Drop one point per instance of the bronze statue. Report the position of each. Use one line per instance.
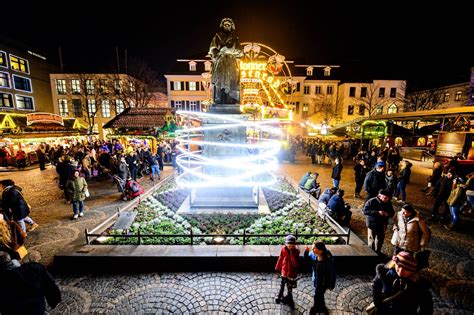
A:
(225, 51)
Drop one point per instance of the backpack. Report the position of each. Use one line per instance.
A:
(134, 188)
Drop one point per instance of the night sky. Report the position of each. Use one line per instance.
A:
(428, 46)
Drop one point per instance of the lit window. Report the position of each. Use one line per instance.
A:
(90, 86)
(119, 107)
(178, 105)
(95, 129)
(177, 85)
(19, 64)
(363, 92)
(3, 59)
(6, 100)
(131, 86)
(306, 89)
(192, 86)
(421, 142)
(207, 65)
(192, 66)
(61, 86)
(393, 109)
(105, 108)
(305, 110)
(91, 108)
(362, 110)
(118, 86)
(327, 71)
(76, 86)
(446, 97)
(22, 84)
(77, 107)
(458, 95)
(329, 90)
(193, 105)
(382, 92)
(379, 110)
(317, 89)
(398, 141)
(103, 86)
(24, 102)
(350, 110)
(352, 91)
(309, 71)
(393, 92)
(4, 80)
(63, 110)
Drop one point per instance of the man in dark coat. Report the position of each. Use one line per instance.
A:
(441, 191)
(338, 209)
(15, 207)
(378, 211)
(336, 172)
(375, 180)
(25, 287)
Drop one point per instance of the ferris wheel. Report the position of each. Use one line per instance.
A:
(265, 77)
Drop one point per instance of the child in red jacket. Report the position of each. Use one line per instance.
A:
(287, 266)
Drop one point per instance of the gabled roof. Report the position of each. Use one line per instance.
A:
(181, 66)
(139, 118)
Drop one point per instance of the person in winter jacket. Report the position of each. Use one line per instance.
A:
(287, 266)
(360, 171)
(327, 194)
(455, 201)
(403, 180)
(77, 187)
(303, 179)
(336, 172)
(410, 233)
(399, 281)
(391, 180)
(15, 207)
(433, 179)
(25, 287)
(323, 274)
(11, 237)
(441, 191)
(378, 211)
(375, 181)
(338, 209)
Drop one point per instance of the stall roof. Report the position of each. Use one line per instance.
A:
(427, 114)
(139, 118)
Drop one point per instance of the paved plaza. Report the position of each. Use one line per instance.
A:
(451, 270)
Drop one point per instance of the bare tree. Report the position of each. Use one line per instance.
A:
(422, 100)
(136, 88)
(324, 105)
(372, 99)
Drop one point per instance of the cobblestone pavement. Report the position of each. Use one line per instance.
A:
(451, 270)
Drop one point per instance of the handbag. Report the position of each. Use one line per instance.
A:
(422, 259)
(22, 251)
(87, 194)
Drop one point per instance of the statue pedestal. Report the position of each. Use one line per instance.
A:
(224, 193)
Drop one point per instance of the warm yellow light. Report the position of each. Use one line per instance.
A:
(290, 116)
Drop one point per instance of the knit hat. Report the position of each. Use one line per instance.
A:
(290, 239)
(408, 207)
(405, 260)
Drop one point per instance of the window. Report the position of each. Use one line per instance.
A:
(4, 80)
(178, 105)
(393, 92)
(76, 86)
(131, 86)
(77, 107)
(458, 95)
(193, 105)
(381, 92)
(6, 100)
(363, 92)
(105, 108)
(90, 86)
(118, 86)
(317, 90)
(177, 85)
(329, 90)
(91, 108)
(192, 86)
(421, 142)
(63, 110)
(362, 109)
(327, 71)
(352, 91)
(192, 66)
(19, 64)
(392, 109)
(61, 86)
(22, 84)
(306, 89)
(24, 102)
(95, 128)
(379, 110)
(119, 107)
(305, 110)
(350, 110)
(446, 97)
(104, 89)
(309, 71)
(3, 59)
(207, 65)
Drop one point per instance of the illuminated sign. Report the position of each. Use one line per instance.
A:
(35, 118)
(258, 70)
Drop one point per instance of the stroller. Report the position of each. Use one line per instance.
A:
(130, 188)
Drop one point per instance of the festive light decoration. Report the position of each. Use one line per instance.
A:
(252, 166)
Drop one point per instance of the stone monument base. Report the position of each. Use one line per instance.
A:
(224, 197)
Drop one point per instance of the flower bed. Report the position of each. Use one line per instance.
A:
(290, 214)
